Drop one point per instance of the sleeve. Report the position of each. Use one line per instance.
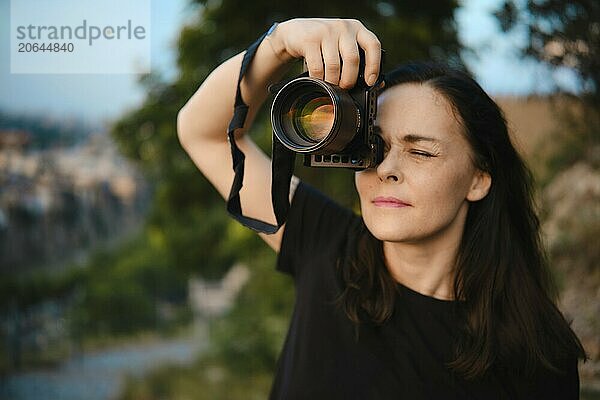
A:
(316, 225)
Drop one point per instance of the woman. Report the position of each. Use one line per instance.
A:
(440, 289)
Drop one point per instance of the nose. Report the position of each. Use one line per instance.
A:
(388, 170)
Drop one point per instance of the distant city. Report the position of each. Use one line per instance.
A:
(62, 195)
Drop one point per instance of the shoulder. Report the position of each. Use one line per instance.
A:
(316, 225)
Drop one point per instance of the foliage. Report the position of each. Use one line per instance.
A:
(116, 294)
(208, 378)
(132, 280)
(188, 220)
(408, 29)
(122, 291)
(244, 344)
(560, 33)
(22, 291)
(580, 142)
(565, 34)
(250, 337)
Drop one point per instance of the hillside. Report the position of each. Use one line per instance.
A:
(570, 208)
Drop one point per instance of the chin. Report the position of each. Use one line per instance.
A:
(388, 232)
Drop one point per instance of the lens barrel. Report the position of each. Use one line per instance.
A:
(312, 116)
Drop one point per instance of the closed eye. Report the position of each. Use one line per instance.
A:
(422, 154)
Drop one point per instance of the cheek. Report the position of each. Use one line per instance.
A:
(364, 182)
(443, 194)
(359, 182)
(436, 194)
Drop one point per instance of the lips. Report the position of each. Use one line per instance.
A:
(391, 202)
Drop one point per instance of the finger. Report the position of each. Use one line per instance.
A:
(314, 60)
(350, 61)
(372, 47)
(331, 58)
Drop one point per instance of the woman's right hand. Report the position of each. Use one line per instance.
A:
(329, 47)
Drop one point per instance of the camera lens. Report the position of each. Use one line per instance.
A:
(309, 116)
(312, 116)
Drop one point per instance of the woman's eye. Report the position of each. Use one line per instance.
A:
(421, 153)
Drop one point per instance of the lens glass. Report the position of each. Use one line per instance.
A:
(313, 116)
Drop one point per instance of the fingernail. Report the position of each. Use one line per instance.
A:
(372, 79)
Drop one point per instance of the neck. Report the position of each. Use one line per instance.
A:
(428, 266)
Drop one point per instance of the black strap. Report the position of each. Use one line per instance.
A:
(282, 164)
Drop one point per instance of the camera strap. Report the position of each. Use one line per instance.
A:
(282, 164)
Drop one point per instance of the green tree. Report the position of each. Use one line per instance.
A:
(188, 215)
(560, 33)
(189, 219)
(565, 34)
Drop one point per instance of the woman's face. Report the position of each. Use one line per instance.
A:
(427, 164)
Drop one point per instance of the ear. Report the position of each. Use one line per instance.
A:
(480, 186)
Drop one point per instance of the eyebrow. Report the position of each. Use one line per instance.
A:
(411, 138)
(417, 138)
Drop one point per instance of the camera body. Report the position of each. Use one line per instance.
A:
(330, 126)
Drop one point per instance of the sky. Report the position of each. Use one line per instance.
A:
(103, 97)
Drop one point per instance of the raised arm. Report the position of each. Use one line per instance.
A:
(330, 48)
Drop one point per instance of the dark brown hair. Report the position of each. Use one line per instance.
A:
(502, 273)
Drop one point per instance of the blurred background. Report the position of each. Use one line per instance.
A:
(121, 274)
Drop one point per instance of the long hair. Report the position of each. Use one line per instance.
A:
(502, 273)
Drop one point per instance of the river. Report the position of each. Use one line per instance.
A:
(99, 375)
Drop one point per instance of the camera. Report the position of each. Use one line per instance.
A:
(330, 126)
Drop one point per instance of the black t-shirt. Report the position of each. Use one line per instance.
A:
(401, 359)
